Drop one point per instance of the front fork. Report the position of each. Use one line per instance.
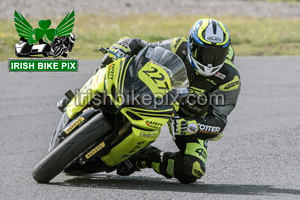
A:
(64, 129)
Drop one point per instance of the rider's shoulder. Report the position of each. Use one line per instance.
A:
(229, 69)
(229, 75)
(178, 43)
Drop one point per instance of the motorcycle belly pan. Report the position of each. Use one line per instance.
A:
(134, 142)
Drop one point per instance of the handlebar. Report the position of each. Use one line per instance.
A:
(106, 50)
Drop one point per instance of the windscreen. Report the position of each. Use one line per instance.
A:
(157, 77)
(173, 65)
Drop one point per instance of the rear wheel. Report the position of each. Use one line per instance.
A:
(71, 148)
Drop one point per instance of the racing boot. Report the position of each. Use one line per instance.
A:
(142, 159)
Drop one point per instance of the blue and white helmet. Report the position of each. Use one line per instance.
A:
(208, 44)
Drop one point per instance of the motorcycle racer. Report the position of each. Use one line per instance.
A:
(209, 59)
(61, 45)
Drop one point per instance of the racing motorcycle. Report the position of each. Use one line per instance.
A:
(61, 45)
(119, 111)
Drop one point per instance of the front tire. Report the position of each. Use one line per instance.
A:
(71, 148)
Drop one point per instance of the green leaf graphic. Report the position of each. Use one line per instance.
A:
(45, 24)
(50, 33)
(39, 33)
(25, 30)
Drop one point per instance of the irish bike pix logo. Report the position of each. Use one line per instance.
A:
(44, 48)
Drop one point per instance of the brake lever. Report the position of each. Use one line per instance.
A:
(106, 50)
(103, 50)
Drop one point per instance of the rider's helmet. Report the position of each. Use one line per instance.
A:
(72, 37)
(208, 44)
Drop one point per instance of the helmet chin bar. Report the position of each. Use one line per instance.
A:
(207, 70)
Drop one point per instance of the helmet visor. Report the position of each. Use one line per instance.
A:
(210, 56)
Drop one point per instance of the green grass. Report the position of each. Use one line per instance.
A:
(250, 36)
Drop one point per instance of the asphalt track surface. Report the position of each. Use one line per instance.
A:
(258, 157)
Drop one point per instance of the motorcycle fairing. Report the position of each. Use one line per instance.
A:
(147, 119)
(135, 141)
(93, 86)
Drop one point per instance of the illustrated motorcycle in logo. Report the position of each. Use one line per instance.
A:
(61, 39)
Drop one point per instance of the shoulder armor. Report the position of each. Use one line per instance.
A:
(234, 84)
(176, 43)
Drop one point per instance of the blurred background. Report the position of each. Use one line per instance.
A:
(258, 157)
(258, 28)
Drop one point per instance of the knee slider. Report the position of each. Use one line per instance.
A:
(188, 169)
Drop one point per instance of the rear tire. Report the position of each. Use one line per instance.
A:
(71, 148)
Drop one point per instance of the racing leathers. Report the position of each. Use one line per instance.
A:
(211, 99)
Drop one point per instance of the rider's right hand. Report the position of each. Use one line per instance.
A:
(126, 46)
(120, 49)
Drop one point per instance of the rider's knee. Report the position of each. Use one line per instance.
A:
(188, 169)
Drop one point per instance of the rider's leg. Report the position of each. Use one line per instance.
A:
(187, 165)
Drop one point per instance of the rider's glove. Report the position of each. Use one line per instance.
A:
(120, 49)
(180, 126)
(126, 46)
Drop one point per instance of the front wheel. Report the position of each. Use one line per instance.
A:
(71, 148)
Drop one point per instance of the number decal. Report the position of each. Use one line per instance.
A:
(201, 152)
(156, 78)
(151, 72)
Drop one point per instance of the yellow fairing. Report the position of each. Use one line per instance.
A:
(137, 140)
(146, 124)
(156, 78)
(147, 119)
(115, 80)
(94, 85)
